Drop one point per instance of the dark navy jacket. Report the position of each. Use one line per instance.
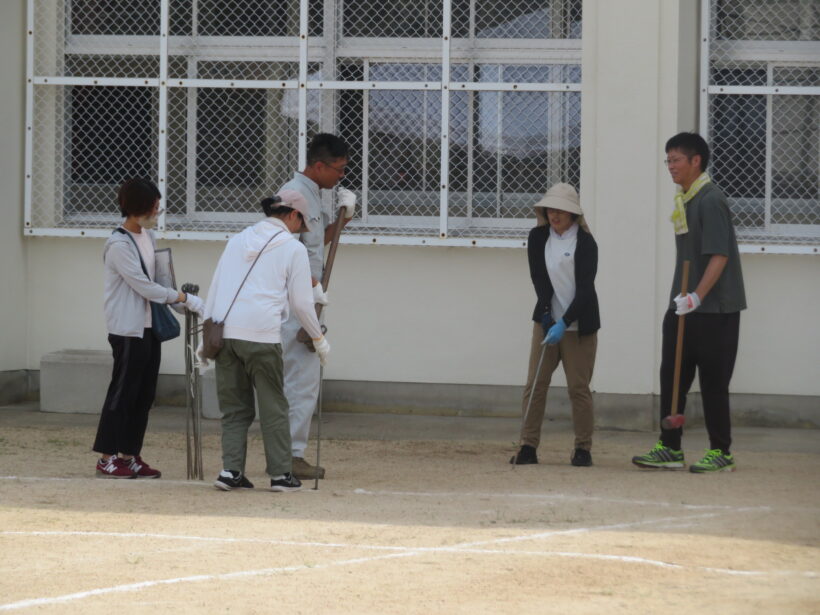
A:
(584, 308)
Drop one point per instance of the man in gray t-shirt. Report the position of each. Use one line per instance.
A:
(327, 158)
(710, 233)
(712, 303)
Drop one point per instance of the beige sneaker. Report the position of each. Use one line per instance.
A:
(304, 471)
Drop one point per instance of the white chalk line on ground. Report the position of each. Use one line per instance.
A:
(466, 547)
(559, 496)
(129, 484)
(143, 482)
(22, 604)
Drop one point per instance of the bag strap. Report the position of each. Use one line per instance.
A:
(247, 274)
(119, 229)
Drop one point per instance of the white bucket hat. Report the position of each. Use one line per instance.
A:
(563, 197)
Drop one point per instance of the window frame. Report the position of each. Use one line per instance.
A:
(444, 52)
(773, 237)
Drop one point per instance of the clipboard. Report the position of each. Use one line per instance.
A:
(164, 268)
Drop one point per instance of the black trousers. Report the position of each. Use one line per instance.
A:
(710, 345)
(124, 416)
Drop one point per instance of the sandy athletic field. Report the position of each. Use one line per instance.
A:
(407, 526)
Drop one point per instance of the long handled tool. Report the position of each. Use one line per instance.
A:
(319, 428)
(193, 396)
(675, 420)
(302, 335)
(529, 401)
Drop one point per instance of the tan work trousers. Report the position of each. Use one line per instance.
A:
(578, 356)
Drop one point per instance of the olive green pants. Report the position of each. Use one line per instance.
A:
(577, 354)
(241, 367)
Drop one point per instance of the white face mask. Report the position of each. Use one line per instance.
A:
(150, 221)
(147, 222)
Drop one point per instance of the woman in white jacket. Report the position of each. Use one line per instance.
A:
(276, 273)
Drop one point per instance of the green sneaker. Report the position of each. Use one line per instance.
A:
(660, 457)
(714, 461)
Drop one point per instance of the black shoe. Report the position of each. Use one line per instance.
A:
(228, 479)
(526, 455)
(288, 483)
(581, 458)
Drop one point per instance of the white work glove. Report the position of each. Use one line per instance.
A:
(686, 304)
(347, 200)
(322, 349)
(319, 294)
(202, 362)
(195, 304)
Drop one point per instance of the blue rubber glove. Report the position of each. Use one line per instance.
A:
(546, 322)
(556, 332)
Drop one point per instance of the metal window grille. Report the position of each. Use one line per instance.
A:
(761, 95)
(459, 113)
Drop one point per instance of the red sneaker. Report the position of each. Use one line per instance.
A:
(114, 467)
(142, 469)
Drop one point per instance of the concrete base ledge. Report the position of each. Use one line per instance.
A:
(612, 410)
(77, 381)
(15, 386)
(634, 412)
(74, 380)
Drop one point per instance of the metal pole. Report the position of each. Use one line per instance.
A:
(193, 397)
(319, 427)
(529, 401)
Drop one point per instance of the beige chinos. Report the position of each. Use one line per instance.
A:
(577, 354)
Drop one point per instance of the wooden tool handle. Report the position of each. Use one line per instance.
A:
(331, 254)
(302, 335)
(679, 344)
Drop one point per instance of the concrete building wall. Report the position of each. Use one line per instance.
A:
(461, 315)
(13, 320)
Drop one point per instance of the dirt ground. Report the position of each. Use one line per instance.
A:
(439, 525)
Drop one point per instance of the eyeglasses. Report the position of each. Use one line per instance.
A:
(668, 161)
(337, 169)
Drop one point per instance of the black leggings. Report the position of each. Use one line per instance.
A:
(710, 345)
(124, 416)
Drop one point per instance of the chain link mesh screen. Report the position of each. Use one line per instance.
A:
(229, 119)
(223, 160)
(92, 38)
(766, 145)
(85, 141)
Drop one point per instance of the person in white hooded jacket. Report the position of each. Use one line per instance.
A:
(276, 272)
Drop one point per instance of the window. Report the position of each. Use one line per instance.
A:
(457, 122)
(762, 116)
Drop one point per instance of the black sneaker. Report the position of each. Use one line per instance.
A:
(228, 480)
(581, 458)
(287, 483)
(526, 455)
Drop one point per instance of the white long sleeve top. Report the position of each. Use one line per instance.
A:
(279, 282)
(559, 254)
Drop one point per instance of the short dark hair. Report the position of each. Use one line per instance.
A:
(272, 207)
(691, 144)
(324, 147)
(137, 196)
